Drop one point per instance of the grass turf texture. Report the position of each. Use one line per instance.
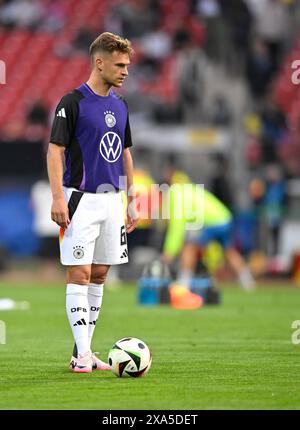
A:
(238, 355)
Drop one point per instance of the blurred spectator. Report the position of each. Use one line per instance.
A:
(273, 26)
(253, 153)
(156, 44)
(21, 13)
(153, 48)
(3, 2)
(210, 13)
(220, 185)
(257, 190)
(269, 199)
(134, 18)
(54, 16)
(221, 112)
(37, 118)
(256, 194)
(44, 227)
(38, 113)
(253, 150)
(273, 203)
(181, 38)
(142, 241)
(239, 21)
(259, 70)
(192, 64)
(83, 39)
(146, 205)
(256, 7)
(289, 154)
(273, 128)
(208, 8)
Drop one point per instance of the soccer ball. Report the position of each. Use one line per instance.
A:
(130, 357)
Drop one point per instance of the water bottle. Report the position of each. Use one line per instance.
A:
(154, 284)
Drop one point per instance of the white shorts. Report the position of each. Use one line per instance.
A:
(97, 232)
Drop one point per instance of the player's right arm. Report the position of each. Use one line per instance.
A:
(61, 135)
(59, 208)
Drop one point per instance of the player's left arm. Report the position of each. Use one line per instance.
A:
(132, 213)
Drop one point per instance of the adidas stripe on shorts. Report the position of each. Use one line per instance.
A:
(97, 232)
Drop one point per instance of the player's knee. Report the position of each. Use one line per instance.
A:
(78, 275)
(98, 275)
(98, 279)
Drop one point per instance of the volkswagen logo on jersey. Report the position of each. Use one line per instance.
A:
(110, 147)
(110, 119)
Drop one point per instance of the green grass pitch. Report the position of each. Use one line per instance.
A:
(238, 355)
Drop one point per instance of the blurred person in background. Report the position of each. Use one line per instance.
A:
(141, 240)
(192, 69)
(220, 185)
(82, 40)
(238, 19)
(268, 194)
(143, 181)
(274, 128)
(210, 13)
(45, 229)
(21, 13)
(38, 113)
(221, 113)
(273, 26)
(274, 205)
(134, 18)
(259, 70)
(36, 125)
(199, 219)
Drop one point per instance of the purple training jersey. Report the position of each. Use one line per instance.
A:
(94, 130)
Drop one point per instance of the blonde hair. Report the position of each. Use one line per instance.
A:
(109, 42)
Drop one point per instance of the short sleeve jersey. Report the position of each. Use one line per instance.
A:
(94, 130)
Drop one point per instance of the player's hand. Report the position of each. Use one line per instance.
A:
(132, 217)
(60, 213)
(131, 224)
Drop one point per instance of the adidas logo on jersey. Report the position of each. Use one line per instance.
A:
(125, 254)
(62, 113)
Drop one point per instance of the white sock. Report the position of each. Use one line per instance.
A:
(77, 310)
(184, 277)
(246, 279)
(95, 295)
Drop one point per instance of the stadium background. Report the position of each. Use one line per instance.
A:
(211, 91)
(210, 85)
